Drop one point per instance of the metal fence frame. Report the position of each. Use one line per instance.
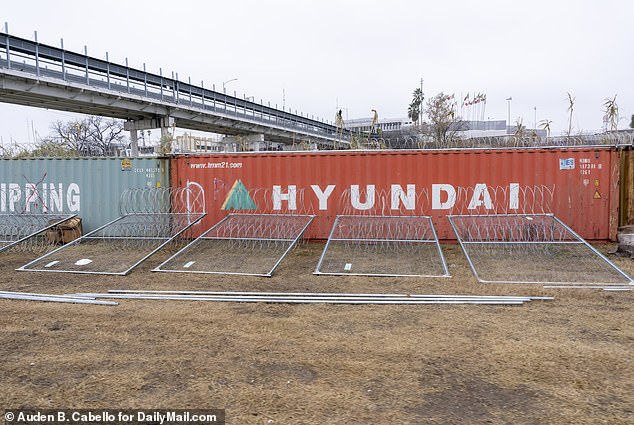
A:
(197, 218)
(580, 241)
(293, 242)
(435, 241)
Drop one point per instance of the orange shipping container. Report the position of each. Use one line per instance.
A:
(579, 185)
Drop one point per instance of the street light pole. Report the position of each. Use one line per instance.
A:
(509, 121)
(420, 110)
(225, 83)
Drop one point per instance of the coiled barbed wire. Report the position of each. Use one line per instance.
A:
(368, 201)
(162, 200)
(530, 248)
(518, 199)
(14, 227)
(402, 140)
(383, 245)
(244, 243)
(150, 216)
(259, 230)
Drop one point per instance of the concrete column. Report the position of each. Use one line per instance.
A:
(134, 143)
(164, 123)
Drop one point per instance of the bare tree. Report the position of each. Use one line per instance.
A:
(50, 148)
(105, 135)
(611, 113)
(441, 110)
(375, 120)
(520, 128)
(340, 126)
(571, 105)
(71, 135)
(90, 136)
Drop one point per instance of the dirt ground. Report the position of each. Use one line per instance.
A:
(566, 361)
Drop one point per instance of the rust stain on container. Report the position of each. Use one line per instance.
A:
(435, 183)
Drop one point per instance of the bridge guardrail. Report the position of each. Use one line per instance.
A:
(56, 62)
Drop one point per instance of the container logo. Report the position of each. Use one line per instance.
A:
(238, 198)
(566, 163)
(443, 197)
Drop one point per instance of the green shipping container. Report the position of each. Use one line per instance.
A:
(88, 187)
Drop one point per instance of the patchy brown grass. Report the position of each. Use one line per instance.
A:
(565, 361)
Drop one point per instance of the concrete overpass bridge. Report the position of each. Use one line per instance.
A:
(44, 76)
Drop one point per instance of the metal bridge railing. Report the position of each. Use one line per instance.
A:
(54, 62)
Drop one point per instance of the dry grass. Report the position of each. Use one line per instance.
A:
(565, 361)
(228, 256)
(106, 255)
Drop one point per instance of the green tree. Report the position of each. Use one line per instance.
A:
(414, 109)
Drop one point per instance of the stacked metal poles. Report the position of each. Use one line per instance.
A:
(311, 298)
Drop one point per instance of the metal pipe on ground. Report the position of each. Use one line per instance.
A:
(204, 297)
(318, 294)
(57, 299)
(604, 287)
(330, 301)
(41, 295)
(322, 296)
(314, 300)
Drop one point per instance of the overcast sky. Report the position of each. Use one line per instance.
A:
(315, 56)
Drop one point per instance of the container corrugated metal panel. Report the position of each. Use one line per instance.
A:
(89, 187)
(626, 209)
(585, 180)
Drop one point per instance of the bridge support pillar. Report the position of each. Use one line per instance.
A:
(164, 123)
(134, 143)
